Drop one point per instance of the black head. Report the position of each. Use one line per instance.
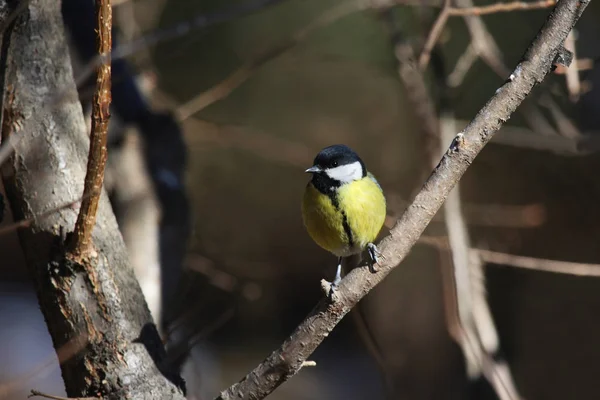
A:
(336, 165)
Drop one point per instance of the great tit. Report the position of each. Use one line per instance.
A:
(344, 207)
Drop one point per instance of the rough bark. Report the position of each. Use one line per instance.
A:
(98, 303)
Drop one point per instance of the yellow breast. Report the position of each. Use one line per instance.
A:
(347, 227)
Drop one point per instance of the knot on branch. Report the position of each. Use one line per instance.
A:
(564, 57)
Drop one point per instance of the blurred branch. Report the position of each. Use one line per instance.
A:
(81, 244)
(502, 7)
(572, 74)
(434, 34)
(564, 124)
(63, 354)
(295, 154)
(26, 223)
(493, 215)
(178, 30)
(532, 263)
(537, 61)
(463, 65)
(540, 264)
(249, 290)
(468, 316)
(474, 315)
(515, 136)
(480, 38)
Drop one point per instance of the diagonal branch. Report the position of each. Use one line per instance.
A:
(537, 61)
(98, 154)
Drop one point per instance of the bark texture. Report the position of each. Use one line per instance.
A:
(82, 245)
(97, 303)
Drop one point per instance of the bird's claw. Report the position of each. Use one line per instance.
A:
(336, 282)
(373, 255)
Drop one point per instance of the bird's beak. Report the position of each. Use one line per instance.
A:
(313, 169)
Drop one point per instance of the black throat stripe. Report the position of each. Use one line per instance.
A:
(336, 203)
(347, 229)
(328, 187)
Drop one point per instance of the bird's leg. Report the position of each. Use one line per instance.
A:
(373, 255)
(337, 279)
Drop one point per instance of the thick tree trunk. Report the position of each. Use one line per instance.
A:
(97, 304)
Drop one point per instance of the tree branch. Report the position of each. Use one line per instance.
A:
(94, 178)
(99, 301)
(537, 61)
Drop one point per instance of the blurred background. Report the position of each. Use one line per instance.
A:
(206, 181)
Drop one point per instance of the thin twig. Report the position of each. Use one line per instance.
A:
(502, 7)
(36, 393)
(566, 127)
(531, 263)
(537, 61)
(25, 223)
(463, 65)
(63, 354)
(540, 264)
(94, 177)
(249, 290)
(434, 34)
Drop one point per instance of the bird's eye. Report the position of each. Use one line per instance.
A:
(335, 163)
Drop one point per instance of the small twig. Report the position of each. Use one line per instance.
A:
(82, 234)
(434, 34)
(502, 7)
(566, 127)
(249, 290)
(309, 364)
(463, 65)
(27, 222)
(526, 138)
(63, 354)
(36, 393)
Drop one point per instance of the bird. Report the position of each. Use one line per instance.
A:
(344, 207)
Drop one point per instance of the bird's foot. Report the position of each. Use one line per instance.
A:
(373, 255)
(336, 281)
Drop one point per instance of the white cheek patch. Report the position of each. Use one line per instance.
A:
(346, 173)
